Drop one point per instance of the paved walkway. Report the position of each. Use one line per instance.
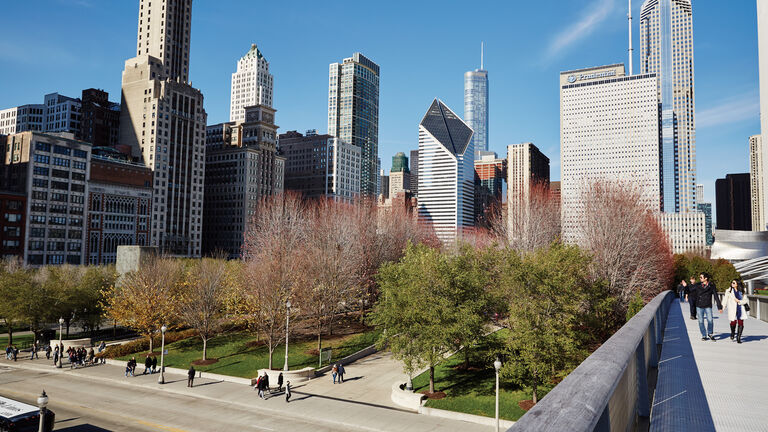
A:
(706, 385)
(343, 405)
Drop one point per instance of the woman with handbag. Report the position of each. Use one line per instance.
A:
(735, 300)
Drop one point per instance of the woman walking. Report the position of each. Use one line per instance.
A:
(734, 300)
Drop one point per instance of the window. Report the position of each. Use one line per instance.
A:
(12, 231)
(61, 150)
(60, 173)
(78, 165)
(61, 162)
(78, 176)
(12, 217)
(40, 183)
(82, 154)
(35, 259)
(42, 159)
(43, 147)
(41, 171)
(59, 185)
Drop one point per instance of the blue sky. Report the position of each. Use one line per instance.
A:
(423, 48)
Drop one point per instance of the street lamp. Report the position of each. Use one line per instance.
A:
(287, 317)
(42, 402)
(161, 379)
(61, 344)
(497, 366)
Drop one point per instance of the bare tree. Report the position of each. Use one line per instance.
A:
(202, 303)
(631, 252)
(530, 221)
(271, 252)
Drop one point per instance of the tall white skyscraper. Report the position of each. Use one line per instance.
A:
(163, 120)
(353, 113)
(252, 84)
(762, 37)
(446, 172)
(757, 182)
(666, 49)
(476, 106)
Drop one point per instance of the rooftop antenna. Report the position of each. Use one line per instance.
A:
(629, 15)
(481, 55)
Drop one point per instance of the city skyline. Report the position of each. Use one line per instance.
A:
(726, 109)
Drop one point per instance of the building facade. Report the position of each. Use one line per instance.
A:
(52, 171)
(476, 107)
(666, 50)
(22, 119)
(13, 207)
(706, 208)
(119, 207)
(252, 84)
(446, 173)
(490, 175)
(415, 172)
(162, 120)
(399, 175)
(686, 232)
(732, 201)
(383, 184)
(99, 119)
(353, 113)
(762, 36)
(62, 114)
(757, 182)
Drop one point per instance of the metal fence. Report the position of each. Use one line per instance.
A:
(758, 307)
(613, 388)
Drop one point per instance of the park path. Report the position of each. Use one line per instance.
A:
(344, 405)
(706, 385)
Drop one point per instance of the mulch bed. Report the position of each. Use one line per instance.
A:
(525, 404)
(206, 362)
(435, 395)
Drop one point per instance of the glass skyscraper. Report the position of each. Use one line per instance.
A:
(476, 107)
(353, 113)
(666, 49)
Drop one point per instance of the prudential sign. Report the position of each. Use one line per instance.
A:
(581, 77)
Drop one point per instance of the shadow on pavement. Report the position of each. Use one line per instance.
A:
(311, 395)
(679, 403)
(83, 428)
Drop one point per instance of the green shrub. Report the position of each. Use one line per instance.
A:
(635, 305)
(142, 344)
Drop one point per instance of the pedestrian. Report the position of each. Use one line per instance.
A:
(691, 296)
(91, 355)
(257, 387)
(127, 369)
(266, 381)
(334, 373)
(280, 382)
(681, 288)
(341, 373)
(147, 365)
(48, 352)
(705, 292)
(56, 354)
(132, 366)
(734, 300)
(102, 347)
(261, 386)
(287, 391)
(154, 364)
(8, 352)
(34, 351)
(15, 353)
(191, 376)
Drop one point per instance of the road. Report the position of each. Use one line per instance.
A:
(82, 405)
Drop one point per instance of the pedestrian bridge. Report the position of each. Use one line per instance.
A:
(657, 374)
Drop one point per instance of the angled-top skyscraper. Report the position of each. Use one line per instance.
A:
(666, 49)
(163, 120)
(252, 84)
(446, 172)
(353, 112)
(476, 106)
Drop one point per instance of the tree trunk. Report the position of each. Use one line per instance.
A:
(535, 395)
(271, 350)
(466, 357)
(319, 351)
(66, 322)
(10, 333)
(431, 379)
(150, 342)
(205, 348)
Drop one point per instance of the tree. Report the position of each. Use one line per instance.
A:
(202, 302)
(531, 220)
(273, 243)
(146, 299)
(546, 294)
(13, 278)
(631, 252)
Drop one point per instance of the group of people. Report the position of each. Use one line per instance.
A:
(700, 296)
(11, 352)
(337, 372)
(262, 385)
(80, 356)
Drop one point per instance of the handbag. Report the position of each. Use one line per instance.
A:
(746, 307)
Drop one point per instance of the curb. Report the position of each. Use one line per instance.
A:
(471, 418)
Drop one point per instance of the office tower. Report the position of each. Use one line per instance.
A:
(490, 174)
(476, 105)
(241, 167)
(554, 188)
(757, 182)
(251, 84)
(666, 49)
(706, 208)
(762, 37)
(446, 173)
(415, 172)
(732, 202)
(119, 205)
(99, 119)
(399, 175)
(13, 225)
(383, 184)
(353, 113)
(62, 114)
(526, 165)
(163, 121)
(320, 165)
(52, 171)
(22, 119)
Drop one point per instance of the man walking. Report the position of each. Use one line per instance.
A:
(287, 391)
(681, 289)
(147, 365)
(692, 291)
(191, 376)
(706, 291)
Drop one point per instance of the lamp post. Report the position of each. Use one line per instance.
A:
(287, 318)
(61, 344)
(42, 402)
(161, 378)
(497, 366)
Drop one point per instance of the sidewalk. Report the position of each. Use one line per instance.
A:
(311, 402)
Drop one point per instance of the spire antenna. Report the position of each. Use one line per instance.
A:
(481, 55)
(629, 15)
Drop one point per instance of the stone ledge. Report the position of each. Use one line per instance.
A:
(406, 398)
(453, 415)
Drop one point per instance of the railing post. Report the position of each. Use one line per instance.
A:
(604, 423)
(643, 402)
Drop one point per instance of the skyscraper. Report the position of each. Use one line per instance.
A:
(399, 175)
(353, 112)
(757, 182)
(762, 38)
(163, 121)
(446, 172)
(252, 84)
(415, 172)
(489, 182)
(476, 106)
(732, 202)
(666, 49)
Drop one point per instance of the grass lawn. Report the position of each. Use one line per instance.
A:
(17, 340)
(238, 357)
(473, 391)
